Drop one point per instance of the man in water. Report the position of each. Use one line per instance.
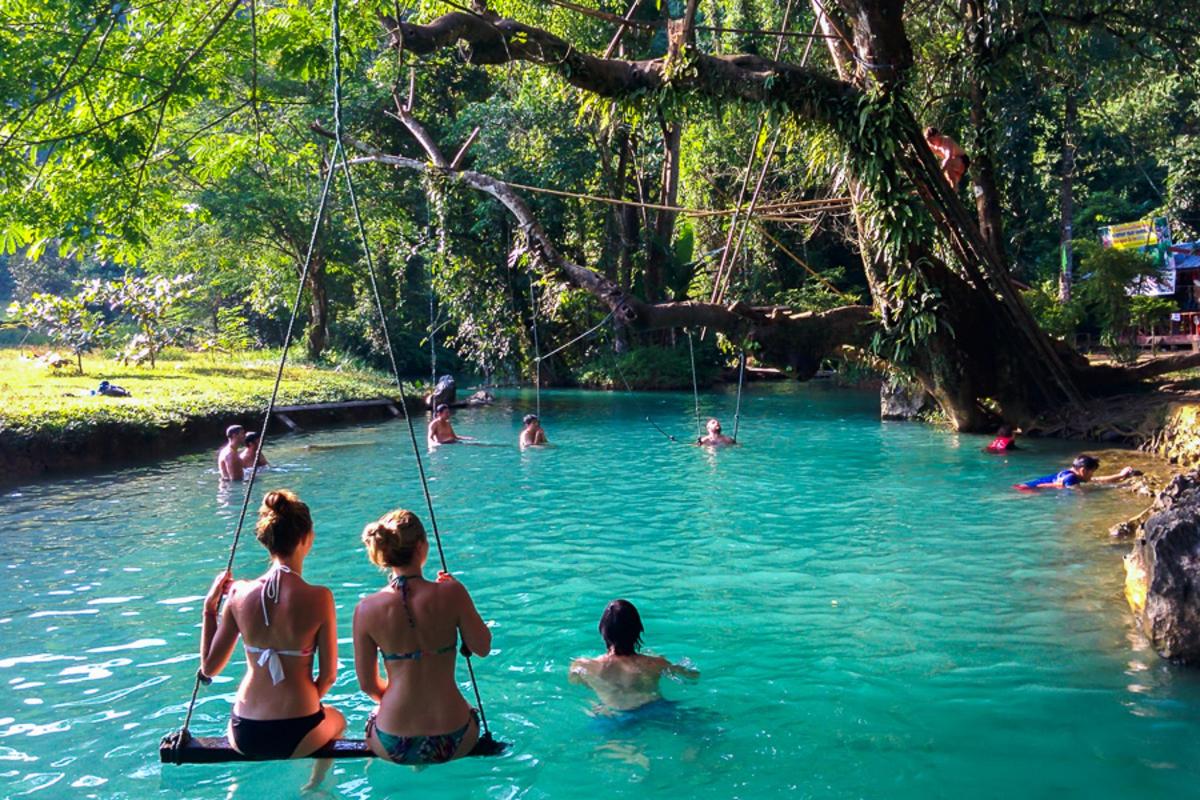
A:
(532, 433)
(623, 678)
(252, 456)
(440, 430)
(1082, 470)
(229, 460)
(714, 438)
(951, 158)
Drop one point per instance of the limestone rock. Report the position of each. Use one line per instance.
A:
(444, 392)
(1162, 572)
(899, 399)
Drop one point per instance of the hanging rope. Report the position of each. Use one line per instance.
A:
(370, 261)
(737, 410)
(695, 385)
(583, 335)
(537, 355)
(262, 435)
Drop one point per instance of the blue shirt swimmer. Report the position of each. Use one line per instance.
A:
(1082, 470)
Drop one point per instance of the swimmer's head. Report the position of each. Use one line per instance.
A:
(252, 439)
(530, 419)
(284, 523)
(1005, 432)
(714, 426)
(442, 408)
(1086, 465)
(397, 539)
(235, 433)
(621, 627)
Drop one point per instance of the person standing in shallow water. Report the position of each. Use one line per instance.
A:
(229, 459)
(714, 437)
(440, 429)
(252, 456)
(532, 433)
(283, 621)
(624, 679)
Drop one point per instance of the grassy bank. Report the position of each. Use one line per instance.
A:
(45, 402)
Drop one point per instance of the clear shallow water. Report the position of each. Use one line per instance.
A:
(874, 612)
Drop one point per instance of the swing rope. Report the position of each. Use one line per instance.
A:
(537, 355)
(370, 261)
(695, 385)
(322, 203)
(583, 335)
(737, 410)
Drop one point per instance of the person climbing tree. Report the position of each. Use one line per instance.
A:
(951, 158)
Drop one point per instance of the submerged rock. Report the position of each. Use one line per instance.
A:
(1162, 572)
(899, 399)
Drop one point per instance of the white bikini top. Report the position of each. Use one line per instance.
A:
(269, 656)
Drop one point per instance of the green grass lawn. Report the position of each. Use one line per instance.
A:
(38, 401)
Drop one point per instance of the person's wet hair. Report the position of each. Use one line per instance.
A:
(621, 628)
(251, 437)
(283, 522)
(1005, 431)
(530, 418)
(233, 430)
(440, 408)
(392, 540)
(1086, 462)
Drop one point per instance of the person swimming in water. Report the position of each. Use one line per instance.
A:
(440, 429)
(252, 457)
(229, 460)
(532, 433)
(714, 437)
(1082, 470)
(1006, 440)
(623, 678)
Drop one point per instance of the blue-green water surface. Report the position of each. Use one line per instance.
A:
(874, 612)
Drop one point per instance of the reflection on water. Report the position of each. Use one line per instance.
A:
(873, 611)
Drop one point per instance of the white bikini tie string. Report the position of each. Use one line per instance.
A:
(271, 590)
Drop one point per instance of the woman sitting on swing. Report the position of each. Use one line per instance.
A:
(414, 623)
(283, 621)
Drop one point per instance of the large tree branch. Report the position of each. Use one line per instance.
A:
(797, 339)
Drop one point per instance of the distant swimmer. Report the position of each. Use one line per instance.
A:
(714, 437)
(1082, 470)
(623, 678)
(440, 429)
(533, 433)
(229, 460)
(1005, 441)
(951, 158)
(252, 456)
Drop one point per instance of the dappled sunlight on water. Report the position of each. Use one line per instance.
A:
(874, 612)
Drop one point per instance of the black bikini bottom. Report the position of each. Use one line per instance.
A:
(272, 738)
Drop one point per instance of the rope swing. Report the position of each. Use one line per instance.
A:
(181, 747)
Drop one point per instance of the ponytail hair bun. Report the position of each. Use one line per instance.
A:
(392, 540)
(283, 522)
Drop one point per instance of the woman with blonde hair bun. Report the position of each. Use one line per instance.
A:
(283, 622)
(414, 624)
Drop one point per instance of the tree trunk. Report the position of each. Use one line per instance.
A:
(983, 170)
(1066, 195)
(318, 326)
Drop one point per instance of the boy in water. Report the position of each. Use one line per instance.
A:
(714, 438)
(252, 456)
(229, 460)
(1006, 440)
(440, 430)
(1082, 470)
(532, 433)
(623, 678)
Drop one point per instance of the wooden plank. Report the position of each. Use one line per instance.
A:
(383, 401)
(287, 420)
(217, 750)
(395, 411)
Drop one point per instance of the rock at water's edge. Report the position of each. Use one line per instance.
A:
(1162, 572)
(899, 399)
(444, 392)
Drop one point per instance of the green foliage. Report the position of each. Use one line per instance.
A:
(153, 304)
(1108, 274)
(818, 292)
(74, 322)
(1058, 319)
(650, 367)
(1147, 312)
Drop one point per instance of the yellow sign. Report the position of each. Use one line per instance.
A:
(1130, 235)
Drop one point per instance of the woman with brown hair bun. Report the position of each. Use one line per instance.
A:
(283, 621)
(414, 624)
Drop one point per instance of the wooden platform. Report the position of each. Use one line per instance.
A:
(217, 750)
(282, 411)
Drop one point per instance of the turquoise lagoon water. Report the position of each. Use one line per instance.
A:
(874, 612)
